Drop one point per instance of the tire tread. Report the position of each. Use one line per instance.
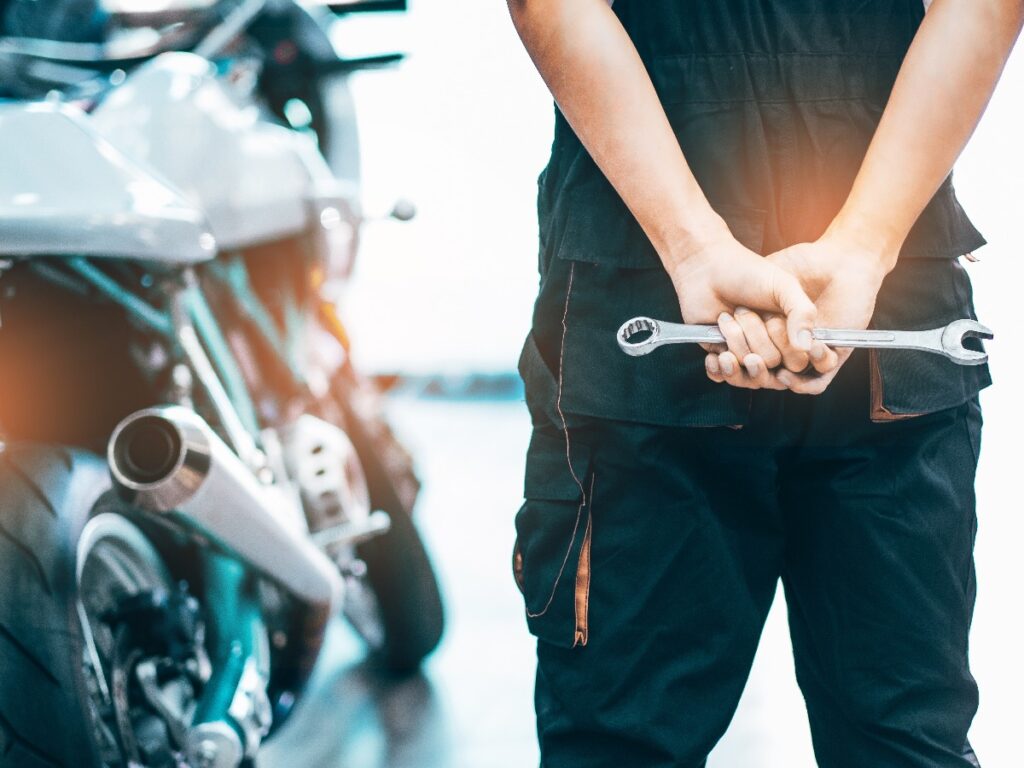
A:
(12, 640)
(31, 484)
(46, 494)
(13, 740)
(30, 556)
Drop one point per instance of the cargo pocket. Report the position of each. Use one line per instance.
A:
(551, 559)
(916, 295)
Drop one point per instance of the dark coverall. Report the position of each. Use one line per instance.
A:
(661, 508)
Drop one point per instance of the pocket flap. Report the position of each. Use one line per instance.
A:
(600, 229)
(548, 476)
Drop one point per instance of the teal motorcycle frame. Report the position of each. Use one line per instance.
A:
(265, 602)
(211, 354)
(235, 615)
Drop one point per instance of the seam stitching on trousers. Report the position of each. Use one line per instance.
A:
(561, 376)
(568, 452)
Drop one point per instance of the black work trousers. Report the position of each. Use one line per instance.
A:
(649, 557)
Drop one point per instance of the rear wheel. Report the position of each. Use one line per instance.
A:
(46, 497)
(60, 537)
(396, 605)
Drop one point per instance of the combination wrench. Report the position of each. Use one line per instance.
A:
(643, 335)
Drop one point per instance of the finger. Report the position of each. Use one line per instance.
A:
(737, 375)
(757, 337)
(824, 358)
(732, 372)
(713, 369)
(727, 364)
(734, 337)
(797, 307)
(806, 385)
(794, 359)
(759, 374)
(716, 348)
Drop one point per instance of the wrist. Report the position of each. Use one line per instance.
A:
(693, 237)
(875, 240)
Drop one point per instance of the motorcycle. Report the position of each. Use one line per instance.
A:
(194, 478)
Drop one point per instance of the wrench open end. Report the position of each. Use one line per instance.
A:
(953, 342)
(639, 336)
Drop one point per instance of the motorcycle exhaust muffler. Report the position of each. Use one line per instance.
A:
(167, 460)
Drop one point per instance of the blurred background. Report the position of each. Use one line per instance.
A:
(462, 128)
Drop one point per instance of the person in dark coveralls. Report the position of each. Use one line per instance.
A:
(769, 166)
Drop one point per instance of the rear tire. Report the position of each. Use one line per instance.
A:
(402, 578)
(398, 569)
(47, 495)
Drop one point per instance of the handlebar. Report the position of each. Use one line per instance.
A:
(208, 32)
(367, 6)
(99, 57)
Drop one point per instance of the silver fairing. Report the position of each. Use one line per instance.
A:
(255, 180)
(65, 191)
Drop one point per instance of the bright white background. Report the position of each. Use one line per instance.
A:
(463, 129)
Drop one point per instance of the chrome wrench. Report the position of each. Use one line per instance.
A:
(643, 335)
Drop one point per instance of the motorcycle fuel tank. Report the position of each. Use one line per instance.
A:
(248, 175)
(65, 191)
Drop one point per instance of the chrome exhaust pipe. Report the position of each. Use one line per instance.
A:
(168, 461)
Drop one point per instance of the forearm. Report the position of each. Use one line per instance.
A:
(601, 86)
(942, 90)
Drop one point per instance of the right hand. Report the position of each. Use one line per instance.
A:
(721, 276)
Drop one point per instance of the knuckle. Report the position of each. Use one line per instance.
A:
(796, 362)
(753, 325)
(777, 332)
(738, 345)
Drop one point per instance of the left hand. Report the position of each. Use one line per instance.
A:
(842, 276)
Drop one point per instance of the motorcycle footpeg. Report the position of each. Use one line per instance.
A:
(355, 532)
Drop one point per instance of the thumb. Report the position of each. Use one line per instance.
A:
(799, 310)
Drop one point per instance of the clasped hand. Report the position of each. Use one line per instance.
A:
(766, 308)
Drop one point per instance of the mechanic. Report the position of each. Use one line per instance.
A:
(770, 167)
